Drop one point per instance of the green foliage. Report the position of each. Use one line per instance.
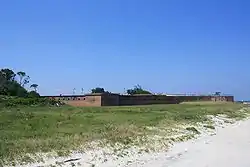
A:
(6, 101)
(137, 90)
(34, 86)
(98, 90)
(217, 93)
(23, 78)
(14, 89)
(33, 94)
(8, 74)
(10, 87)
(13, 93)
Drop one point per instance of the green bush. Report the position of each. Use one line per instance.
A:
(6, 101)
(33, 94)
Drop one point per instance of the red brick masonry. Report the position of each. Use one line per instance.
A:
(109, 99)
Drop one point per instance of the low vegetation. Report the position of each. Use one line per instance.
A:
(137, 90)
(43, 129)
(10, 101)
(209, 126)
(193, 129)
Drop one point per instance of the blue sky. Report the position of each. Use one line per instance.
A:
(172, 46)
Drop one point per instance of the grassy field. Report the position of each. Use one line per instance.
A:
(43, 129)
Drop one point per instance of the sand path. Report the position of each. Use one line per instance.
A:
(230, 147)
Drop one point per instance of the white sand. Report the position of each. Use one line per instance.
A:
(230, 147)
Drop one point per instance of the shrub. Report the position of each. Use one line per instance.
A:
(6, 101)
(33, 94)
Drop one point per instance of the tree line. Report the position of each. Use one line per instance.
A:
(13, 84)
(133, 91)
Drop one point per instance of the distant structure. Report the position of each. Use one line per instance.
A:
(111, 99)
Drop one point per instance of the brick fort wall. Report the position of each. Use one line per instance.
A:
(109, 99)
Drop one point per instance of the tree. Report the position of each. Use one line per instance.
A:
(9, 86)
(98, 90)
(3, 83)
(34, 86)
(21, 75)
(15, 89)
(7, 74)
(23, 78)
(137, 90)
(217, 93)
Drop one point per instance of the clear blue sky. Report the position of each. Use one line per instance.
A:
(173, 46)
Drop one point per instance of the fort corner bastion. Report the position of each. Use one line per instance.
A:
(112, 99)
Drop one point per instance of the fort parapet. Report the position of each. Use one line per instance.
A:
(111, 99)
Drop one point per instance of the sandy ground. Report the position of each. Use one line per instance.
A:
(230, 147)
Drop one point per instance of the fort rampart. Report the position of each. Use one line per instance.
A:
(109, 99)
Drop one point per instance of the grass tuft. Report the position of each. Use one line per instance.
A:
(193, 129)
(209, 126)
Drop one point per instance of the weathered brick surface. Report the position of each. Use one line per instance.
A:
(116, 99)
(85, 101)
(147, 99)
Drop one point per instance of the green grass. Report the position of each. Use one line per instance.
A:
(43, 129)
